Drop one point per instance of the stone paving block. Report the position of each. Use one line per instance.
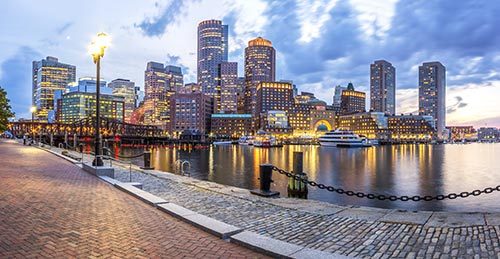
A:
(145, 196)
(455, 219)
(364, 213)
(175, 210)
(265, 244)
(99, 170)
(136, 185)
(492, 219)
(109, 180)
(308, 253)
(407, 217)
(310, 206)
(211, 225)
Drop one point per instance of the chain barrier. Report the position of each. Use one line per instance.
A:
(382, 197)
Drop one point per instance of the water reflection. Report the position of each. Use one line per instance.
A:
(400, 170)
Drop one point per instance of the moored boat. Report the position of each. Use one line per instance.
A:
(343, 138)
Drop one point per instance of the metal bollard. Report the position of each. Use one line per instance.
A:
(81, 147)
(266, 172)
(296, 188)
(147, 161)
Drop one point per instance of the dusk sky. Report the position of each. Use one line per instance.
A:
(319, 44)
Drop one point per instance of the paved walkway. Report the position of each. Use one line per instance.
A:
(51, 208)
(352, 231)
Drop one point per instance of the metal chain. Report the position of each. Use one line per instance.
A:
(382, 197)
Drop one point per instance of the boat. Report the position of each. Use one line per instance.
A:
(246, 140)
(343, 138)
(222, 142)
(266, 141)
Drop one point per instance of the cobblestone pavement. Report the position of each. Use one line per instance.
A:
(362, 237)
(51, 208)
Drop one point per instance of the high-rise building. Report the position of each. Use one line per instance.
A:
(272, 96)
(352, 101)
(432, 93)
(260, 59)
(337, 97)
(77, 105)
(229, 87)
(49, 75)
(160, 82)
(212, 50)
(383, 87)
(126, 89)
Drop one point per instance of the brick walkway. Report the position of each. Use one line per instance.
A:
(51, 208)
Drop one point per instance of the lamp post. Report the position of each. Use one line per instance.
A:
(97, 47)
(32, 110)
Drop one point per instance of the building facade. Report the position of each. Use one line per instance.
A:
(383, 87)
(272, 96)
(372, 125)
(225, 125)
(432, 93)
(126, 89)
(76, 105)
(460, 133)
(260, 63)
(411, 128)
(212, 50)
(191, 113)
(49, 75)
(230, 89)
(352, 101)
(488, 134)
(337, 97)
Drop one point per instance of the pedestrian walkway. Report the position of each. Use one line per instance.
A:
(51, 208)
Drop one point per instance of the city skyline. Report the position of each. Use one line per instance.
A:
(472, 82)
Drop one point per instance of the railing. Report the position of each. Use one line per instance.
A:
(179, 165)
(266, 171)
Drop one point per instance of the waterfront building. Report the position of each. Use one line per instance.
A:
(231, 125)
(409, 128)
(212, 50)
(275, 122)
(78, 105)
(241, 95)
(382, 87)
(432, 93)
(260, 62)
(126, 89)
(276, 96)
(459, 133)
(488, 134)
(372, 125)
(174, 78)
(352, 101)
(230, 90)
(191, 113)
(49, 75)
(337, 97)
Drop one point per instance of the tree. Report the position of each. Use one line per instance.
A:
(5, 110)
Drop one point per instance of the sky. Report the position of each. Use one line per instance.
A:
(319, 44)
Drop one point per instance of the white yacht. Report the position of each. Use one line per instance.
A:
(246, 140)
(343, 138)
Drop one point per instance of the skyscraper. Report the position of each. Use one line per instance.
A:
(432, 93)
(352, 101)
(49, 75)
(383, 87)
(212, 50)
(174, 78)
(126, 89)
(337, 97)
(260, 59)
(229, 87)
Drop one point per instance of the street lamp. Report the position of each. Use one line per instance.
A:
(32, 110)
(96, 49)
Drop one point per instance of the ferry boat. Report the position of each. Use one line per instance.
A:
(246, 140)
(266, 141)
(343, 138)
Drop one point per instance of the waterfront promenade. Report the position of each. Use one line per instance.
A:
(51, 208)
(359, 232)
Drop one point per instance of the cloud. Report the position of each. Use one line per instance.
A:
(64, 28)
(156, 26)
(16, 79)
(457, 105)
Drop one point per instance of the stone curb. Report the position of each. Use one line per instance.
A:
(138, 193)
(278, 248)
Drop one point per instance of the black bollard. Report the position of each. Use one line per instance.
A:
(296, 188)
(266, 172)
(147, 161)
(81, 147)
